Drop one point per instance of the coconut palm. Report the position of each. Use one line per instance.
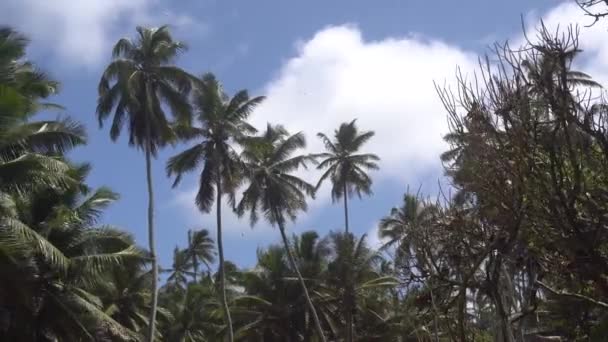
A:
(180, 270)
(139, 84)
(353, 273)
(125, 294)
(54, 256)
(271, 310)
(29, 150)
(195, 311)
(200, 250)
(274, 308)
(222, 121)
(22, 85)
(274, 191)
(346, 168)
(394, 227)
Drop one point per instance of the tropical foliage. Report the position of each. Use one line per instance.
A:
(514, 250)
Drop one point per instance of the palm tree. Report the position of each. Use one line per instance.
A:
(273, 189)
(222, 121)
(143, 80)
(200, 250)
(346, 169)
(274, 307)
(194, 312)
(270, 311)
(30, 150)
(396, 226)
(354, 272)
(180, 270)
(125, 294)
(54, 257)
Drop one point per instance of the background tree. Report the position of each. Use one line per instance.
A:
(200, 250)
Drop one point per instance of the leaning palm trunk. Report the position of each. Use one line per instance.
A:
(293, 264)
(151, 241)
(220, 249)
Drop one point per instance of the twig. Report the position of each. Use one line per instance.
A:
(573, 295)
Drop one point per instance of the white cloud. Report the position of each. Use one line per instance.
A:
(373, 238)
(387, 85)
(82, 32)
(231, 224)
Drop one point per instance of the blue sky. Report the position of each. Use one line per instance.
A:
(319, 62)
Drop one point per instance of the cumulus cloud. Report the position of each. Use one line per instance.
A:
(82, 32)
(231, 223)
(387, 85)
(373, 238)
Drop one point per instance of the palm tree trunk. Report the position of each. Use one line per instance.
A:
(194, 258)
(349, 334)
(220, 250)
(151, 241)
(349, 320)
(345, 209)
(292, 261)
(462, 302)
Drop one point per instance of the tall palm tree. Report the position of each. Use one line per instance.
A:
(136, 84)
(346, 168)
(273, 189)
(200, 250)
(222, 121)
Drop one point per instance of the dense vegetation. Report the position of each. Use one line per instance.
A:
(517, 252)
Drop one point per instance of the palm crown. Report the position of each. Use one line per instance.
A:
(346, 169)
(222, 121)
(144, 79)
(268, 165)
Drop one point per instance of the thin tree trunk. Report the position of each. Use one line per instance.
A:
(292, 261)
(349, 318)
(435, 322)
(345, 208)
(220, 250)
(349, 291)
(462, 302)
(194, 261)
(151, 240)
